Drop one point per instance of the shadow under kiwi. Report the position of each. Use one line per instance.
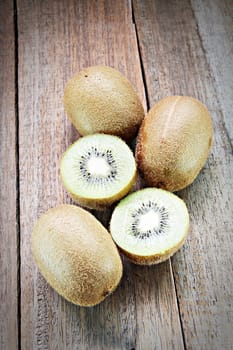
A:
(113, 323)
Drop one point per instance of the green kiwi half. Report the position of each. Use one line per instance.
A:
(98, 170)
(150, 225)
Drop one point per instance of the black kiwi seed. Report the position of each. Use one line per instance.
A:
(93, 179)
(144, 209)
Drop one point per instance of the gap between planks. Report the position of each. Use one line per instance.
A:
(17, 171)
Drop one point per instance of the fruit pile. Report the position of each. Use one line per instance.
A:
(73, 251)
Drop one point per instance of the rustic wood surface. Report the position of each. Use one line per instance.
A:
(215, 25)
(8, 183)
(164, 48)
(203, 269)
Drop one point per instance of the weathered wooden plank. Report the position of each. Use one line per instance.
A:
(215, 25)
(175, 63)
(56, 39)
(8, 181)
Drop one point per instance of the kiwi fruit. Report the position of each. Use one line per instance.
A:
(174, 142)
(100, 99)
(98, 170)
(150, 225)
(76, 255)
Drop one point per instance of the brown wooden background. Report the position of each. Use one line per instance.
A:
(163, 47)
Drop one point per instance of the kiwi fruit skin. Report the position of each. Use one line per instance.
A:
(99, 99)
(76, 255)
(174, 142)
(92, 202)
(154, 259)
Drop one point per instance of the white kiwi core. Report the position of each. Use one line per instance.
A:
(98, 167)
(149, 221)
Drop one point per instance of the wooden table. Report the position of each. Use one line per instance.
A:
(164, 48)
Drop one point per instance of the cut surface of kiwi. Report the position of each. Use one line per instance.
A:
(97, 170)
(150, 225)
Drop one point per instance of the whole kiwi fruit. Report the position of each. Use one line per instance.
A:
(100, 99)
(174, 142)
(76, 255)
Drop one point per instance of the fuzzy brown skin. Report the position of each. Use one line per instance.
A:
(174, 142)
(154, 259)
(100, 99)
(76, 255)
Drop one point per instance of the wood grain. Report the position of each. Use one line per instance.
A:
(56, 39)
(8, 181)
(176, 63)
(215, 24)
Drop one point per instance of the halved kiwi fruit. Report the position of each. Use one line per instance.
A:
(98, 170)
(150, 225)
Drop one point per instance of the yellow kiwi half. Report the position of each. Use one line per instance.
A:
(174, 142)
(150, 225)
(98, 170)
(100, 99)
(76, 255)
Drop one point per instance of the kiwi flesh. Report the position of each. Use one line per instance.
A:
(174, 142)
(99, 99)
(76, 255)
(150, 225)
(98, 170)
